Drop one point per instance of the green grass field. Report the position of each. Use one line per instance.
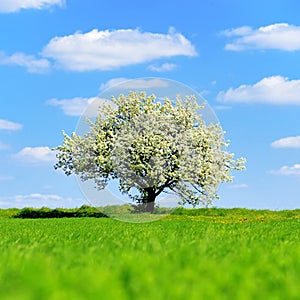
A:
(196, 254)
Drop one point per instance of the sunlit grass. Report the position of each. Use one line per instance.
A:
(212, 254)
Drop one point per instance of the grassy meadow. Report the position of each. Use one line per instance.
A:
(192, 254)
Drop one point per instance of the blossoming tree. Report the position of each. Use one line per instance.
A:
(151, 147)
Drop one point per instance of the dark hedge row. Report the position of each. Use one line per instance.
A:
(92, 212)
(44, 212)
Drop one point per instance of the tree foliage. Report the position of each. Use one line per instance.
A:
(151, 147)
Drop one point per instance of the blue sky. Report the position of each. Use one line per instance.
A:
(241, 56)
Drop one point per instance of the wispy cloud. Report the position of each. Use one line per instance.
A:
(35, 155)
(32, 64)
(222, 107)
(238, 186)
(71, 107)
(11, 6)
(37, 196)
(281, 36)
(108, 50)
(8, 125)
(271, 90)
(6, 177)
(3, 146)
(112, 83)
(39, 200)
(125, 83)
(287, 142)
(80, 106)
(166, 67)
(288, 170)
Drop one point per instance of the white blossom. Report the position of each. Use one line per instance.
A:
(152, 147)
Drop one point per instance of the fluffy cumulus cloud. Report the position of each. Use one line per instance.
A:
(108, 50)
(32, 64)
(10, 6)
(8, 125)
(166, 67)
(35, 155)
(287, 142)
(272, 90)
(281, 36)
(288, 170)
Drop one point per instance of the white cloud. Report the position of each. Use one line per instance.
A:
(288, 142)
(222, 107)
(89, 106)
(71, 107)
(37, 196)
(8, 125)
(272, 90)
(244, 30)
(33, 65)
(112, 83)
(35, 155)
(39, 200)
(286, 170)
(124, 83)
(281, 36)
(166, 67)
(6, 177)
(10, 6)
(79, 106)
(238, 186)
(108, 50)
(3, 146)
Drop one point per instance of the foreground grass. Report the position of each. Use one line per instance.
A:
(200, 256)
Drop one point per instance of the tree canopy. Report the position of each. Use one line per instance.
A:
(151, 146)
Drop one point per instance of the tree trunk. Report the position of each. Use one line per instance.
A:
(150, 207)
(149, 199)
